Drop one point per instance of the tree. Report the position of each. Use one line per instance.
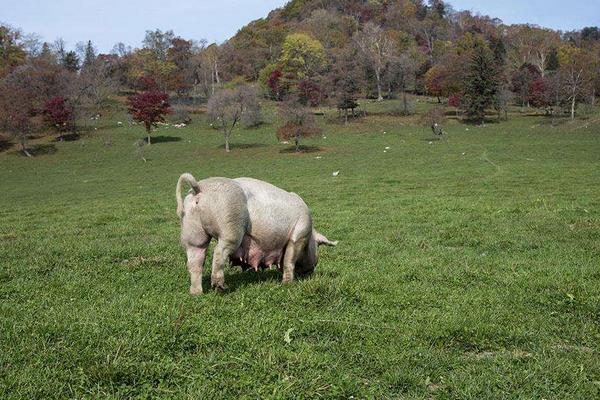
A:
(345, 81)
(310, 93)
(302, 55)
(89, 55)
(299, 122)
(12, 52)
(149, 108)
(539, 93)
(91, 87)
(70, 61)
(226, 108)
(522, 80)
(529, 44)
(376, 49)
(402, 73)
(180, 55)
(575, 64)
(481, 83)
(18, 98)
(159, 43)
(58, 114)
(435, 81)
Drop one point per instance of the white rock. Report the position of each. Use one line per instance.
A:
(336, 173)
(387, 148)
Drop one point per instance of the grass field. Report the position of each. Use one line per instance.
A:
(467, 268)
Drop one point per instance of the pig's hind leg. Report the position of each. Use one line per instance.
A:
(223, 250)
(293, 251)
(195, 263)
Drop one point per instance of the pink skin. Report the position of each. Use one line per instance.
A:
(251, 255)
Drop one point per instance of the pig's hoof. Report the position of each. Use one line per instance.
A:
(219, 287)
(195, 291)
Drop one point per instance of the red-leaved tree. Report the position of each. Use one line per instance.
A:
(274, 83)
(539, 95)
(150, 108)
(58, 114)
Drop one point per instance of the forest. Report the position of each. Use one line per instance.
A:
(308, 54)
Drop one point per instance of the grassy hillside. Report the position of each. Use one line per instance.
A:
(467, 268)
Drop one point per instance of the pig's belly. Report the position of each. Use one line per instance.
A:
(252, 254)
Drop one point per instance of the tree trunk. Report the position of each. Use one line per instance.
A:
(378, 76)
(405, 102)
(573, 108)
(297, 144)
(227, 142)
(346, 114)
(23, 141)
(148, 130)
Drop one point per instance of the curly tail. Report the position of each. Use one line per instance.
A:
(190, 180)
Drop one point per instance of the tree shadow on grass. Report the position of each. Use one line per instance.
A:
(303, 149)
(164, 139)
(5, 144)
(69, 137)
(38, 150)
(243, 146)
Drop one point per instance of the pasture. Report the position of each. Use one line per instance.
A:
(467, 268)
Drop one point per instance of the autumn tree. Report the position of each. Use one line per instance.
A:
(227, 107)
(58, 114)
(529, 44)
(302, 55)
(12, 51)
(149, 108)
(575, 74)
(18, 104)
(521, 81)
(402, 74)
(299, 122)
(180, 55)
(376, 49)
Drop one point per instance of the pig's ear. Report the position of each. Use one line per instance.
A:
(321, 239)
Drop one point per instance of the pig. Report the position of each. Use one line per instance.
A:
(256, 225)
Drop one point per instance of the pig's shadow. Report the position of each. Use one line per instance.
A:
(236, 279)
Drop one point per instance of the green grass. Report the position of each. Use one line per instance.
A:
(468, 268)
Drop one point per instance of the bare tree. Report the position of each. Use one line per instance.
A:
(227, 107)
(376, 49)
(299, 122)
(575, 65)
(92, 87)
(401, 74)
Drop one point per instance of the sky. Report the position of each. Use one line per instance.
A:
(107, 22)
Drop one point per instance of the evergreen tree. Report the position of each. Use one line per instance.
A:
(482, 83)
(89, 55)
(70, 61)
